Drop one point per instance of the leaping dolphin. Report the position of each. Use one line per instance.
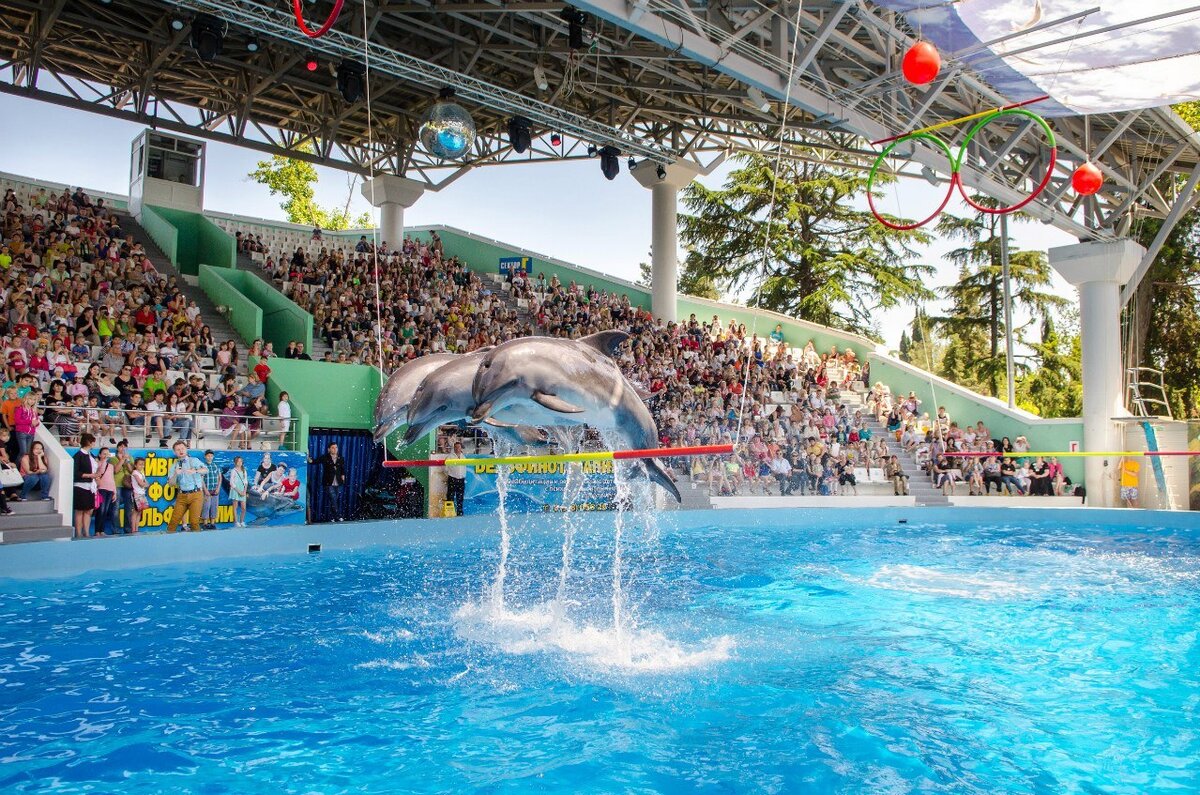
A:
(444, 397)
(550, 381)
(391, 409)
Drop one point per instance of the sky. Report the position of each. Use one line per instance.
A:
(565, 210)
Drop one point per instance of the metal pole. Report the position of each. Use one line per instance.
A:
(1008, 334)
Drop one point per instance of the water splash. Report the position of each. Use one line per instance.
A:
(571, 493)
(618, 591)
(496, 593)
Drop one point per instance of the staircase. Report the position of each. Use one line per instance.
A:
(32, 520)
(920, 486)
(221, 329)
(247, 263)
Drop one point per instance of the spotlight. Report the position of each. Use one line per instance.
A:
(253, 45)
(575, 20)
(555, 139)
(518, 134)
(208, 37)
(610, 162)
(661, 171)
(539, 78)
(930, 175)
(311, 63)
(758, 99)
(632, 164)
(351, 77)
(591, 150)
(177, 24)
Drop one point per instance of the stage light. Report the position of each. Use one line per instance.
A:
(518, 134)
(758, 99)
(311, 63)
(539, 78)
(447, 130)
(253, 45)
(555, 139)
(632, 164)
(208, 36)
(592, 150)
(661, 171)
(575, 20)
(930, 175)
(610, 162)
(351, 78)
(178, 24)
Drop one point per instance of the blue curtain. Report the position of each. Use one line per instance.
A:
(362, 462)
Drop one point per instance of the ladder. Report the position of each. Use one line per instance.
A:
(1144, 393)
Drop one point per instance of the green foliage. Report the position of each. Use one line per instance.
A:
(688, 283)
(1190, 112)
(975, 325)
(826, 260)
(1055, 387)
(923, 348)
(295, 181)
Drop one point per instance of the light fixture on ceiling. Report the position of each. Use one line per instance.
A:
(208, 36)
(253, 45)
(351, 78)
(930, 175)
(518, 134)
(539, 78)
(610, 162)
(757, 99)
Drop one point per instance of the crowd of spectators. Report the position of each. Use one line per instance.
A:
(97, 341)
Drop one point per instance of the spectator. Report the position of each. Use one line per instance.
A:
(85, 496)
(456, 480)
(212, 492)
(35, 470)
(106, 488)
(140, 495)
(895, 473)
(1130, 472)
(238, 487)
(26, 419)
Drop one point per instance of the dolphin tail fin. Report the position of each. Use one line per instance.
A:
(555, 403)
(655, 473)
(607, 342)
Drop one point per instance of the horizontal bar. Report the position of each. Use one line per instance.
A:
(1077, 454)
(600, 455)
(961, 119)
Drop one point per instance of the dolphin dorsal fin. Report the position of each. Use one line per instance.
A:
(607, 342)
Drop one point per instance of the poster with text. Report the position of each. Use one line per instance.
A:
(537, 488)
(265, 503)
(514, 264)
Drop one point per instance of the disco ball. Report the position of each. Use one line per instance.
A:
(447, 130)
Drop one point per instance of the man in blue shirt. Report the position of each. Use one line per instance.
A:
(187, 476)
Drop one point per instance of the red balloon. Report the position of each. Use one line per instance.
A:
(1087, 179)
(921, 63)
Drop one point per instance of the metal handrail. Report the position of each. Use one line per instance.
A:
(144, 418)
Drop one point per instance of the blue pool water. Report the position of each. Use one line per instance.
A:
(787, 655)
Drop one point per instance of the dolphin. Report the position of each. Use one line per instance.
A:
(444, 397)
(391, 409)
(551, 381)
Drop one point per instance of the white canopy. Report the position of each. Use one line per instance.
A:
(1143, 63)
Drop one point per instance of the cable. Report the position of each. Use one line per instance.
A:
(787, 106)
(375, 259)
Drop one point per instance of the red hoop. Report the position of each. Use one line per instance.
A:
(875, 169)
(316, 34)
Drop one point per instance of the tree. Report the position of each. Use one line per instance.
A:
(827, 260)
(1055, 387)
(978, 295)
(688, 283)
(295, 180)
(922, 349)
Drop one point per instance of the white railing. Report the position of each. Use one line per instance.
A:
(192, 427)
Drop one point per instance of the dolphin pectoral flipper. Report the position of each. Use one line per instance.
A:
(498, 424)
(555, 403)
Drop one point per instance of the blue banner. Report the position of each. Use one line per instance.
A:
(535, 488)
(514, 264)
(264, 506)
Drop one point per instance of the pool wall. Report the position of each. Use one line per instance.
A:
(63, 559)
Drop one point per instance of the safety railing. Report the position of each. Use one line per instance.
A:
(144, 427)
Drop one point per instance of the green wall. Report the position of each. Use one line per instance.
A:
(325, 395)
(966, 407)
(162, 232)
(221, 287)
(197, 240)
(795, 333)
(274, 317)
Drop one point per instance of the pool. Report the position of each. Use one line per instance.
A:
(768, 651)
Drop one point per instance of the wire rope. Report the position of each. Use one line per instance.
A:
(375, 258)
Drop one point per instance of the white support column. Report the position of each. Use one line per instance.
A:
(392, 195)
(664, 183)
(1099, 270)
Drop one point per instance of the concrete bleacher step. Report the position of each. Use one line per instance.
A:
(220, 327)
(32, 520)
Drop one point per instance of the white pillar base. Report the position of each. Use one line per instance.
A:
(664, 236)
(392, 194)
(1099, 270)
